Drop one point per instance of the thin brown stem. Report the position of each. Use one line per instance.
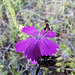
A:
(38, 68)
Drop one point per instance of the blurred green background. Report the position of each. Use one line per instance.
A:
(61, 16)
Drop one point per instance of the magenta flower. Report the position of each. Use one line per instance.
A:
(37, 45)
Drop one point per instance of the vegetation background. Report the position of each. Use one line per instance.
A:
(61, 16)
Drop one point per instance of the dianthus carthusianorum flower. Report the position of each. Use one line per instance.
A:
(37, 45)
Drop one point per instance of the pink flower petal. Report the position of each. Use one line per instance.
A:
(33, 51)
(22, 45)
(47, 47)
(30, 31)
(33, 62)
(49, 33)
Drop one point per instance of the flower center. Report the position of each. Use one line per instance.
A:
(38, 37)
